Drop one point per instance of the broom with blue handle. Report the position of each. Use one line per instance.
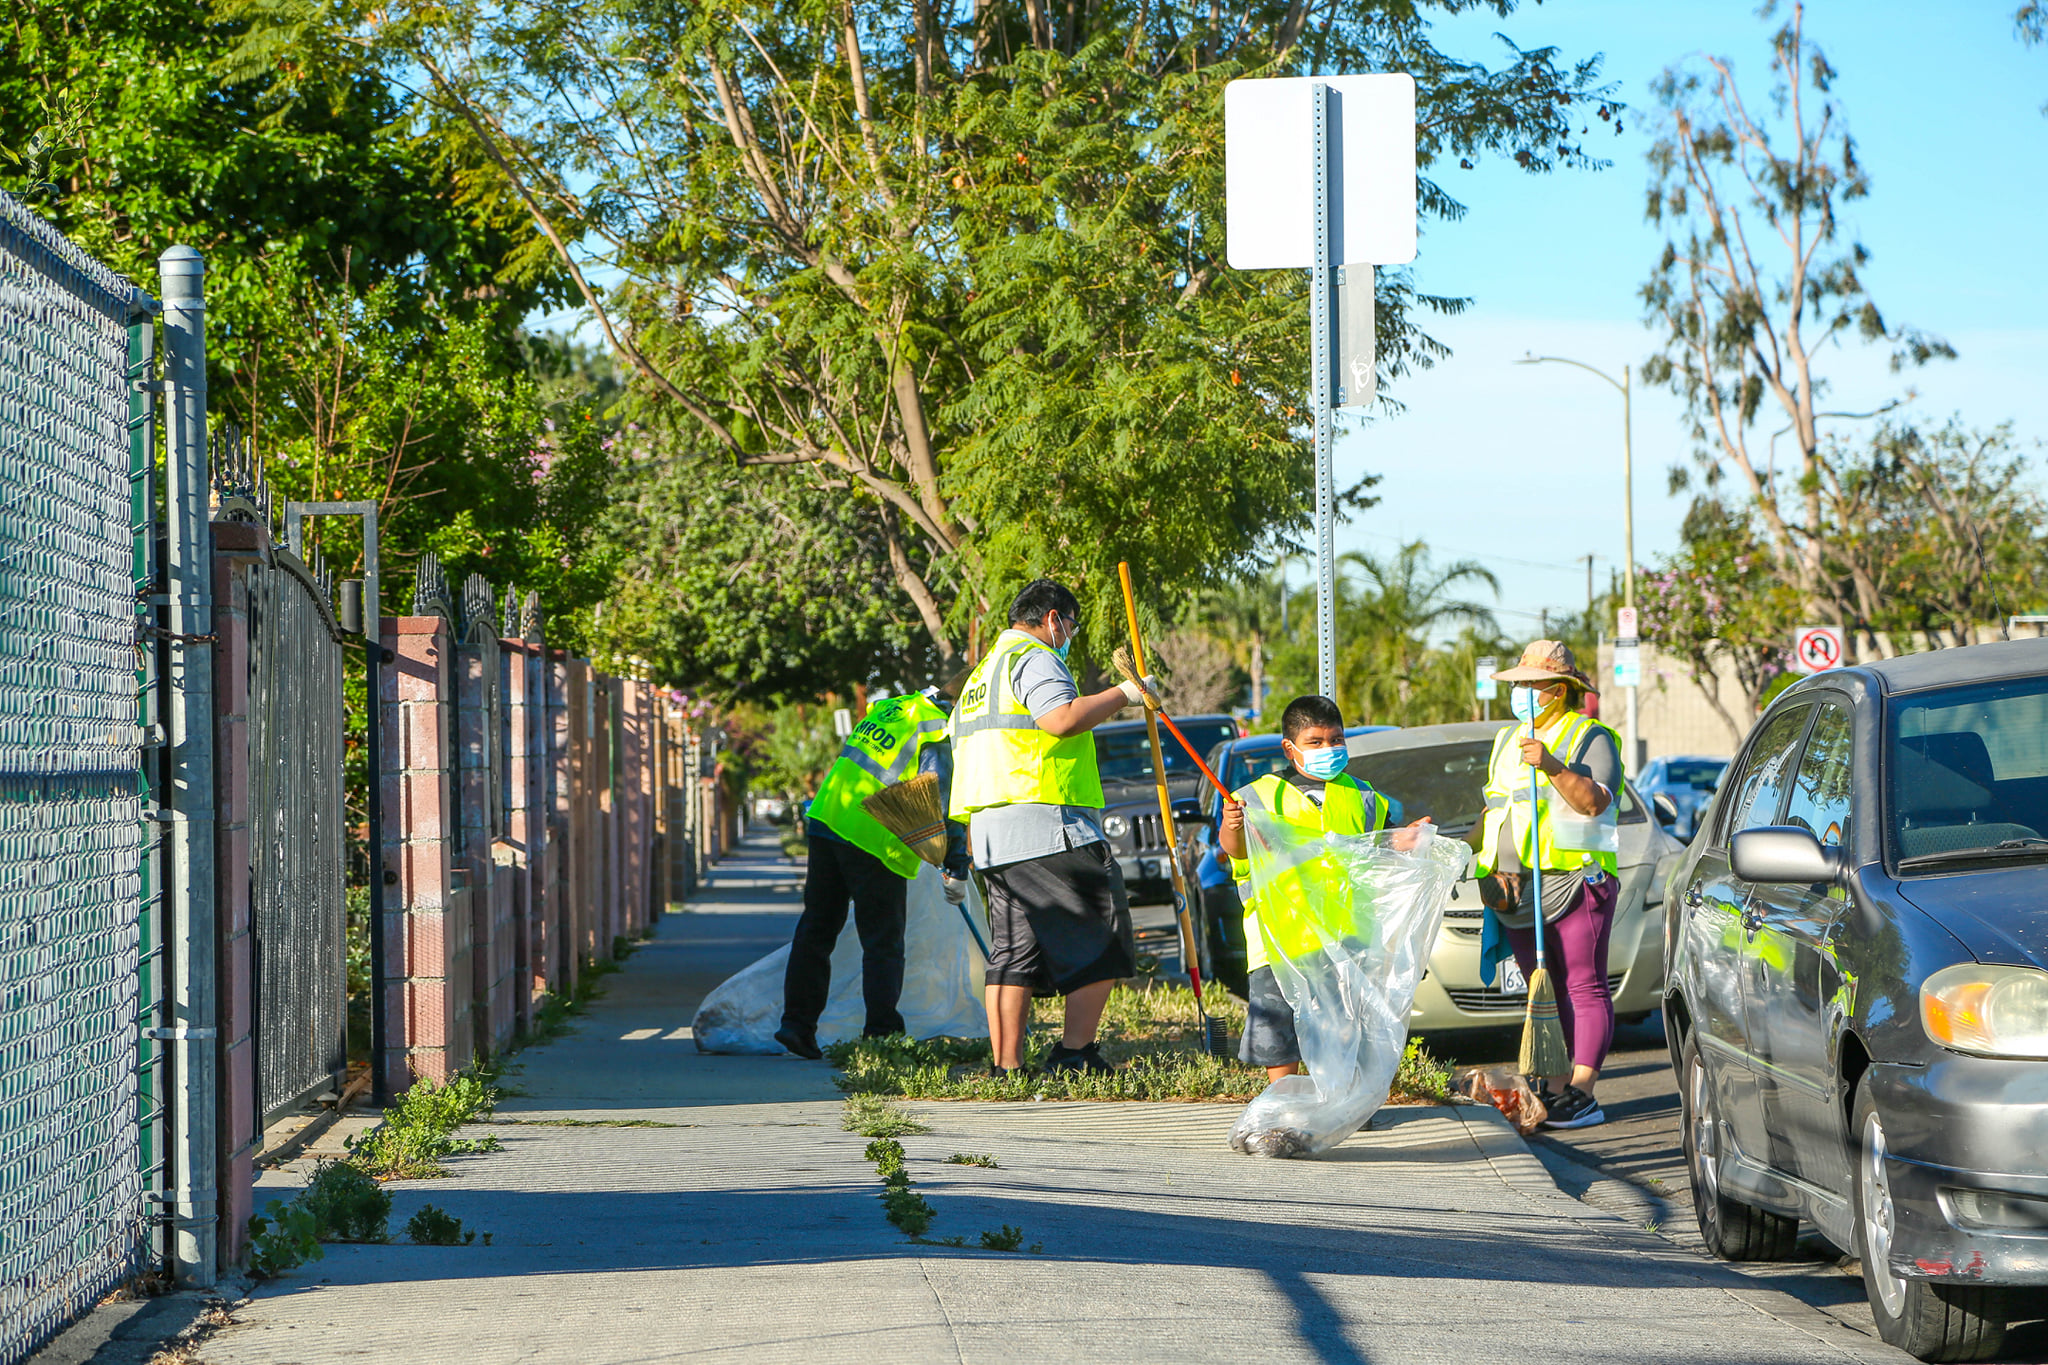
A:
(1543, 1048)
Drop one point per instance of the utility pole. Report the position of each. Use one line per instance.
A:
(1624, 386)
(1589, 596)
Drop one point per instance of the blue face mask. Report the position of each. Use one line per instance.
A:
(1526, 703)
(1061, 650)
(1324, 764)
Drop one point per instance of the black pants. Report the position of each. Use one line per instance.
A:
(836, 873)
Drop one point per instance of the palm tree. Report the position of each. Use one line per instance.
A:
(1405, 598)
(1245, 615)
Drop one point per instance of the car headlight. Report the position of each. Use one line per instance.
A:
(1115, 826)
(1997, 1011)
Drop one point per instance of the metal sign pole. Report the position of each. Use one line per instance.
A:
(1322, 310)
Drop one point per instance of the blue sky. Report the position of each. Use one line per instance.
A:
(1946, 108)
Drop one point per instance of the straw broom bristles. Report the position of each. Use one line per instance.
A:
(1543, 1049)
(911, 811)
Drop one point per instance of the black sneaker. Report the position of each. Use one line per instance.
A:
(1574, 1109)
(1064, 1058)
(802, 1044)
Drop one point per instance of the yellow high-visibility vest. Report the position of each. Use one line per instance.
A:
(1316, 890)
(1000, 756)
(1565, 840)
(882, 751)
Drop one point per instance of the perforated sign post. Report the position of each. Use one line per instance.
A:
(1816, 649)
(1319, 174)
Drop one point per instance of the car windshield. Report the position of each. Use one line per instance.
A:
(1698, 773)
(1446, 782)
(1126, 755)
(1968, 769)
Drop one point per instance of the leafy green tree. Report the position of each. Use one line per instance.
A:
(1722, 598)
(1756, 284)
(966, 263)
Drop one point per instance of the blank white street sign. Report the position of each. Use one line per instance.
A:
(1816, 649)
(1269, 183)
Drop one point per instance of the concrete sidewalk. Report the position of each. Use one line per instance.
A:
(746, 1226)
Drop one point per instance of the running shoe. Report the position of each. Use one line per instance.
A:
(1574, 1109)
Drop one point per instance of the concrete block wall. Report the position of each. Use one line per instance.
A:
(428, 924)
(488, 913)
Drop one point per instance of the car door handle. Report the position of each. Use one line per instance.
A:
(1752, 920)
(1693, 897)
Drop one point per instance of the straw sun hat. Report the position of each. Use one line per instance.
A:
(1546, 661)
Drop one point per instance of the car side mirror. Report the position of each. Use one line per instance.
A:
(1784, 854)
(1666, 808)
(1188, 810)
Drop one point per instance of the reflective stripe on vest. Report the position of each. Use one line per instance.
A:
(882, 751)
(1318, 880)
(1565, 840)
(1000, 755)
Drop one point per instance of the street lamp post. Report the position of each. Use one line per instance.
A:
(1628, 507)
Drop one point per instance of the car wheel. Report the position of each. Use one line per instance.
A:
(1732, 1230)
(1922, 1318)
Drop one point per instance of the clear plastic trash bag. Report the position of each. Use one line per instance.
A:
(943, 968)
(1349, 921)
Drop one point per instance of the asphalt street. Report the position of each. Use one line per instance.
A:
(1633, 1166)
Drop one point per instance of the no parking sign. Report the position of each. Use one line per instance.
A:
(1816, 649)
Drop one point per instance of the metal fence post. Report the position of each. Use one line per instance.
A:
(194, 1196)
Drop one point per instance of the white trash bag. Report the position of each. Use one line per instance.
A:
(1349, 921)
(943, 968)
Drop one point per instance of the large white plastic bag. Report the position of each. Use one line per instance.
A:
(942, 982)
(1352, 993)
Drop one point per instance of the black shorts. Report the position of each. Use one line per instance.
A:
(1061, 921)
(1268, 1024)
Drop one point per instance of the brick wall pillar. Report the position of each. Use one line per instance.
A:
(427, 928)
(236, 547)
(582, 806)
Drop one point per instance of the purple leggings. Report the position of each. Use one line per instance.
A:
(1575, 949)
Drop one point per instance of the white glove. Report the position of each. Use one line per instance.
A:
(956, 890)
(1142, 693)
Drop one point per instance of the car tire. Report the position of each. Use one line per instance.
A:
(1732, 1230)
(1921, 1317)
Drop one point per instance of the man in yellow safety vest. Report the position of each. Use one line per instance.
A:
(1576, 761)
(854, 858)
(1027, 785)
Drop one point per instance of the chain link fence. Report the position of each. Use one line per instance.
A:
(71, 1006)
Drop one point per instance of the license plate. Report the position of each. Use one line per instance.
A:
(1508, 979)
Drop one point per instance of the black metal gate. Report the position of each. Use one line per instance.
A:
(297, 841)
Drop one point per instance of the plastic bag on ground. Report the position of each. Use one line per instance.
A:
(1349, 921)
(1507, 1090)
(942, 981)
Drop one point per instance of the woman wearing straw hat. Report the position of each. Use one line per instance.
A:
(1577, 766)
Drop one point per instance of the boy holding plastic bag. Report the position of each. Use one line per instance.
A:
(1340, 914)
(1317, 796)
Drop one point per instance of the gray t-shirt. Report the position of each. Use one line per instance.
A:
(1600, 759)
(1033, 829)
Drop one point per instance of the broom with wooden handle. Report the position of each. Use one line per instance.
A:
(1543, 1049)
(912, 812)
(1213, 1033)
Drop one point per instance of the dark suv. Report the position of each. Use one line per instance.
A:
(1857, 959)
(1130, 806)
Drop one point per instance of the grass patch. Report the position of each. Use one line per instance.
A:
(346, 1203)
(973, 1159)
(1005, 1238)
(418, 1129)
(872, 1116)
(432, 1227)
(1152, 1035)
